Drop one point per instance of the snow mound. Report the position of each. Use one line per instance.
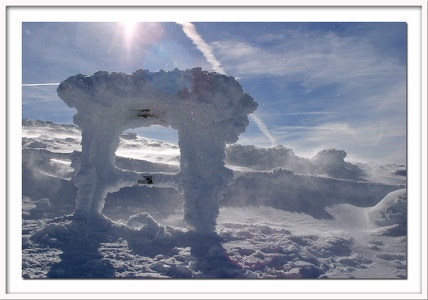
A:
(327, 162)
(145, 223)
(262, 159)
(332, 162)
(391, 214)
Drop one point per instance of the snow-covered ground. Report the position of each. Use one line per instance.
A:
(283, 216)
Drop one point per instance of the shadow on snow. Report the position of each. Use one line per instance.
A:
(80, 241)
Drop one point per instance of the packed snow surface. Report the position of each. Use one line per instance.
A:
(283, 216)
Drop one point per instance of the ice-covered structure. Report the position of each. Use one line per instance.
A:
(208, 110)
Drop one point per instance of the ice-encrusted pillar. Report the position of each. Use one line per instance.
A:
(96, 176)
(203, 176)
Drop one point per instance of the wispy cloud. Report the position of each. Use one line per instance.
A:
(315, 60)
(362, 142)
(333, 90)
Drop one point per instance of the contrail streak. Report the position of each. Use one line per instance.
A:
(191, 32)
(40, 84)
(263, 128)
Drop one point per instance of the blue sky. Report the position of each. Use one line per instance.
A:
(318, 85)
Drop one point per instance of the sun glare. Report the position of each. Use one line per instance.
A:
(136, 37)
(129, 28)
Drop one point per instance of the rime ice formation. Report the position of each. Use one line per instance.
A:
(208, 110)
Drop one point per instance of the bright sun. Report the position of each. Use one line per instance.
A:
(129, 28)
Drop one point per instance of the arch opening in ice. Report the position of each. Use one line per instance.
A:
(208, 110)
(160, 146)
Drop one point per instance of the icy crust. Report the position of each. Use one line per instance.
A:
(207, 109)
(145, 98)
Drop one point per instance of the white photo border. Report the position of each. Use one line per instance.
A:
(412, 12)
